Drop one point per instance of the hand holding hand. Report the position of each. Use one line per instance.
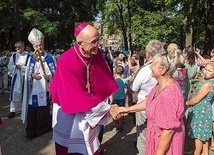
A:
(114, 111)
(123, 110)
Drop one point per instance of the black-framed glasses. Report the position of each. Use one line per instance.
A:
(167, 59)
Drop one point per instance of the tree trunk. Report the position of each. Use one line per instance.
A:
(17, 20)
(130, 24)
(10, 43)
(208, 33)
(123, 27)
(188, 39)
(187, 24)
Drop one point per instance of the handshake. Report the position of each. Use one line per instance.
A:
(116, 112)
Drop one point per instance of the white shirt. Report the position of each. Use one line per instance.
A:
(143, 82)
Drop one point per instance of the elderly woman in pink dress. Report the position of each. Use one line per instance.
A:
(164, 109)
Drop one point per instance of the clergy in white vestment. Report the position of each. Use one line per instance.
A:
(37, 106)
(16, 69)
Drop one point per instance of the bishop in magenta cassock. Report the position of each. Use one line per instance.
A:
(81, 87)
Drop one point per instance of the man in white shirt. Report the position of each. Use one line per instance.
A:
(142, 85)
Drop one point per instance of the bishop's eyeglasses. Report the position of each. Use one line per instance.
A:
(93, 43)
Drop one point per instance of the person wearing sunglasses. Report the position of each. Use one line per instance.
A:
(16, 69)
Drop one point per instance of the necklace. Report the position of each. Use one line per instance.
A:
(87, 70)
(165, 85)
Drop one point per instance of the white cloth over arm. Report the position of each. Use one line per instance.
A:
(82, 134)
(77, 133)
(54, 114)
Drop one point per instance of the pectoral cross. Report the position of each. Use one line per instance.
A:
(88, 87)
(87, 70)
(88, 77)
(35, 101)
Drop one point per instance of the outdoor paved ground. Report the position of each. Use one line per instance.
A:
(12, 140)
(12, 134)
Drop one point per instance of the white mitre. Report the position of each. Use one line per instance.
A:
(35, 36)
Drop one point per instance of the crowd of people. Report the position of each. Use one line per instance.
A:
(181, 95)
(168, 90)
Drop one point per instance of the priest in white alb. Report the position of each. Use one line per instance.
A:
(16, 69)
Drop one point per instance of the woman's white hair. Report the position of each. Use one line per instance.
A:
(169, 61)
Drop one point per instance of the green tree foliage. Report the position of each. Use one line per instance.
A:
(165, 20)
(56, 19)
(6, 23)
(136, 21)
(115, 19)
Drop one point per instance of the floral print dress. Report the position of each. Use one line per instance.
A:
(200, 116)
(180, 76)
